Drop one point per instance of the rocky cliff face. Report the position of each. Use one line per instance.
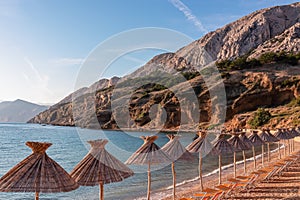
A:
(274, 29)
(288, 41)
(234, 40)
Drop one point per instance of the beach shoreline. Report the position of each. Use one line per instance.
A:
(192, 186)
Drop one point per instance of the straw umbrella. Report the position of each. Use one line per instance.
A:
(288, 134)
(249, 144)
(202, 146)
(294, 133)
(282, 135)
(257, 141)
(268, 138)
(176, 151)
(99, 167)
(37, 173)
(149, 153)
(221, 147)
(238, 145)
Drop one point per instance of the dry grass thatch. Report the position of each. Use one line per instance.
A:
(237, 143)
(99, 166)
(175, 149)
(246, 140)
(294, 132)
(282, 135)
(201, 144)
(37, 173)
(255, 139)
(267, 137)
(149, 152)
(221, 146)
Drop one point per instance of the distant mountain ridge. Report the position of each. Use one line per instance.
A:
(19, 110)
(274, 29)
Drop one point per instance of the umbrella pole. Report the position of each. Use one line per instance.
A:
(101, 188)
(37, 194)
(279, 154)
(254, 157)
(149, 182)
(220, 169)
(262, 155)
(293, 145)
(244, 156)
(200, 171)
(234, 165)
(284, 150)
(268, 152)
(289, 148)
(174, 180)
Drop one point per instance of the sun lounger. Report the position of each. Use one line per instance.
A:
(217, 195)
(227, 189)
(207, 193)
(270, 174)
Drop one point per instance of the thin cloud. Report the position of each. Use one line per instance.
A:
(35, 78)
(189, 15)
(67, 61)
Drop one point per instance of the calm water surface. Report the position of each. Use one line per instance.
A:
(69, 147)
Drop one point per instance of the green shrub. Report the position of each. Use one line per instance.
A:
(282, 57)
(190, 75)
(268, 57)
(261, 117)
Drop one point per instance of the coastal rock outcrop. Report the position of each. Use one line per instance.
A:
(153, 101)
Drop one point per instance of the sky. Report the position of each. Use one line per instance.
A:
(43, 43)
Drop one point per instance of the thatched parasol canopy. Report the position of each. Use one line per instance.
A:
(149, 153)
(221, 147)
(37, 173)
(255, 139)
(202, 146)
(245, 140)
(267, 138)
(275, 139)
(282, 135)
(294, 132)
(99, 166)
(238, 145)
(175, 150)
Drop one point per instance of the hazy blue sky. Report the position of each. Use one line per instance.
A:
(43, 42)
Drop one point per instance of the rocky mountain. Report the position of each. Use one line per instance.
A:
(19, 111)
(149, 96)
(288, 41)
(101, 84)
(233, 40)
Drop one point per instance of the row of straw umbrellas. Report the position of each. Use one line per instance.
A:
(40, 174)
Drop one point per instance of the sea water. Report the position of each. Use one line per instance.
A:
(70, 146)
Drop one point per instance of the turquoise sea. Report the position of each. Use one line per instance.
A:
(69, 147)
